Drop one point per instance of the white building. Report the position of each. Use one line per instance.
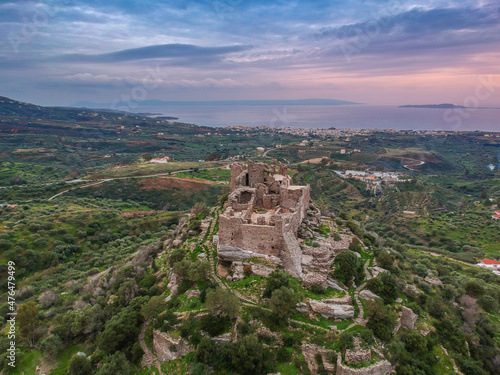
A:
(164, 159)
(490, 264)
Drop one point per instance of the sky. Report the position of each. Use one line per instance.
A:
(377, 52)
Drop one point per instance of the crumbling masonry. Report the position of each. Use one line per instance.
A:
(263, 216)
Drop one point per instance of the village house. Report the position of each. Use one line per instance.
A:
(164, 159)
(303, 143)
(490, 264)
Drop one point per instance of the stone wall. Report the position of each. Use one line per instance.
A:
(263, 216)
(263, 239)
(312, 278)
(168, 348)
(236, 170)
(257, 173)
(291, 254)
(310, 351)
(357, 356)
(383, 367)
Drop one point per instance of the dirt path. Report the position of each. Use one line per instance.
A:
(448, 258)
(73, 188)
(367, 272)
(361, 316)
(413, 163)
(149, 359)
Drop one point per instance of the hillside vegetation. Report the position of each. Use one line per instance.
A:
(117, 273)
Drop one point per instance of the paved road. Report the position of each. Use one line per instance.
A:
(264, 155)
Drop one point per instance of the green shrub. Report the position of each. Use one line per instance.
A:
(276, 280)
(318, 289)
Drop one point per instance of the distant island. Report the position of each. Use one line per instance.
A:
(166, 118)
(439, 106)
(218, 103)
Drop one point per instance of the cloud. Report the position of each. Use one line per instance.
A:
(109, 82)
(212, 82)
(259, 48)
(164, 51)
(419, 22)
(89, 79)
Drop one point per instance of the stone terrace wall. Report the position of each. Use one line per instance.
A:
(383, 367)
(169, 349)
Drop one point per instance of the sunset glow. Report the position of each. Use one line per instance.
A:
(375, 52)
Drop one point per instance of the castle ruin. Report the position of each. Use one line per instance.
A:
(263, 216)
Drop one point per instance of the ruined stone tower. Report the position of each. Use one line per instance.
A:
(263, 216)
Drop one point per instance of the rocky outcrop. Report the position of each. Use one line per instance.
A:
(173, 284)
(368, 295)
(238, 271)
(263, 331)
(433, 281)
(168, 348)
(261, 270)
(222, 270)
(302, 308)
(408, 318)
(320, 256)
(225, 338)
(177, 242)
(235, 254)
(346, 300)
(376, 270)
(311, 222)
(383, 367)
(331, 310)
(192, 293)
(232, 253)
(343, 244)
(410, 288)
(333, 284)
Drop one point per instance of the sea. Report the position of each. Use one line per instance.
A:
(337, 116)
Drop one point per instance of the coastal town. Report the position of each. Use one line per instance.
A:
(344, 132)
